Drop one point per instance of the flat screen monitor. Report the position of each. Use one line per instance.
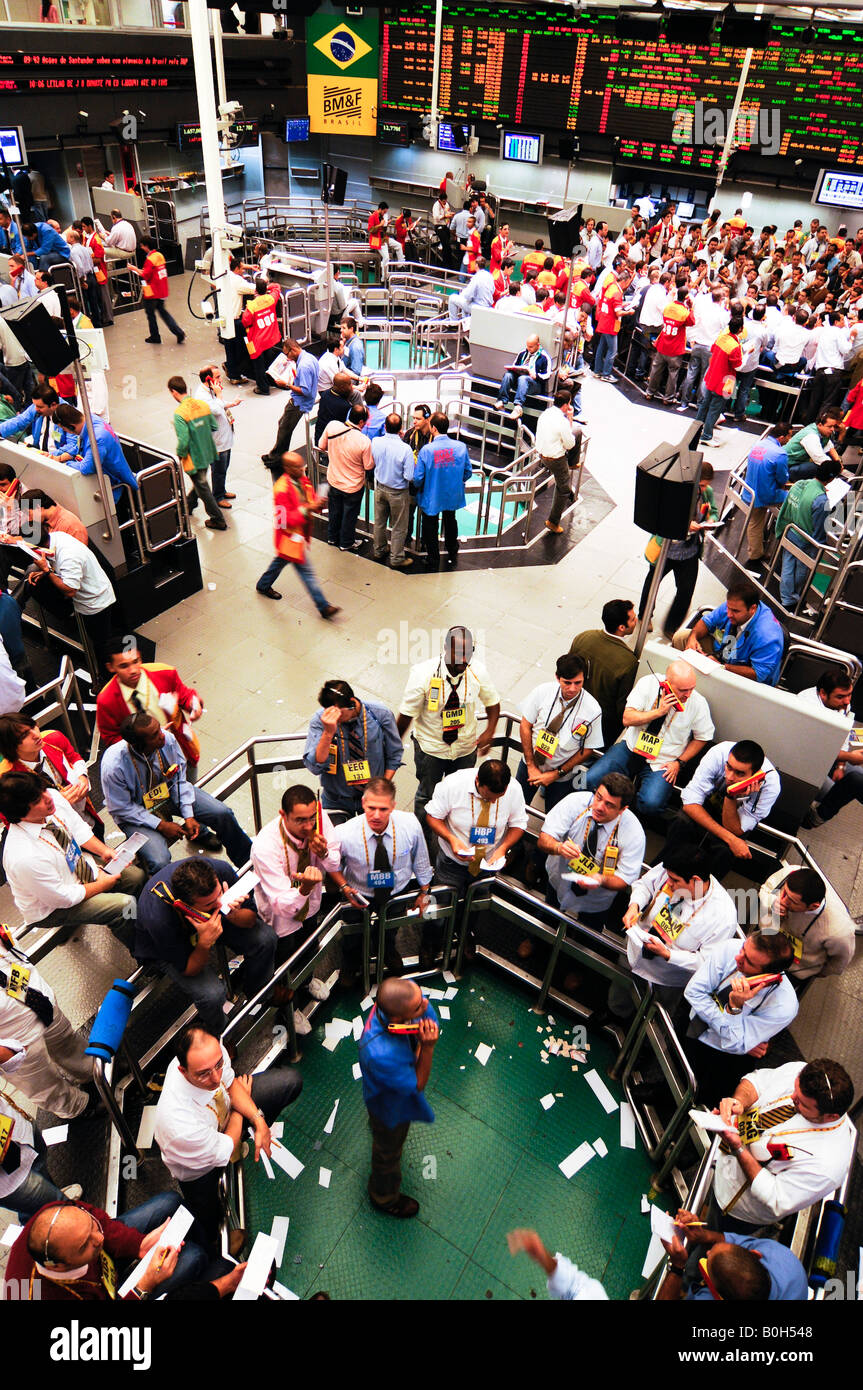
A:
(393, 132)
(12, 144)
(296, 128)
(839, 188)
(446, 140)
(519, 147)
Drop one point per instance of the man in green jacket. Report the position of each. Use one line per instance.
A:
(195, 427)
(813, 444)
(804, 510)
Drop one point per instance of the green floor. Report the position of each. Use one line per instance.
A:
(495, 1151)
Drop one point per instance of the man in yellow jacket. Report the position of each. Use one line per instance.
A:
(195, 427)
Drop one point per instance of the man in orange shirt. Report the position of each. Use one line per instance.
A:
(726, 356)
(295, 501)
(154, 273)
(608, 307)
(56, 518)
(670, 347)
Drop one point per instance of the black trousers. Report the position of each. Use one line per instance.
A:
(718, 1073)
(385, 1179)
(291, 416)
(685, 578)
(430, 525)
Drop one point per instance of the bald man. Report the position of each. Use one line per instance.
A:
(395, 1059)
(667, 723)
(528, 375)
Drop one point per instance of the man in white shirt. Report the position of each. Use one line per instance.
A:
(74, 571)
(441, 696)
(201, 1115)
(556, 441)
(834, 341)
(595, 848)
(122, 240)
(290, 855)
(51, 859)
(790, 338)
(560, 731)
(791, 1142)
(478, 292)
(45, 287)
(834, 691)
(811, 914)
(667, 723)
(477, 816)
(734, 787)
(740, 998)
(650, 318)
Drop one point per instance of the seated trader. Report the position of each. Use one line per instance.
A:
(145, 785)
(477, 815)
(528, 376)
(290, 856)
(834, 691)
(740, 998)
(383, 851)
(49, 857)
(611, 663)
(395, 1069)
(69, 1252)
(676, 913)
(25, 748)
(149, 687)
(736, 1268)
(180, 919)
(200, 1117)
(595, 840)
(806, 909)
(561, 732)
(349, 742)
(742, 634)
(813, 445)
(667, 724)
(111, 455)
(789, 1143)
(733, 789)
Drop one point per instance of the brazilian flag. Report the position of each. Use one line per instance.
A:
(342, 64)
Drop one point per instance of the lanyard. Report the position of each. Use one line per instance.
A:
(163, 767)
(49, 839)
(612, 841)
(365, 738)
(573, 707)
(382, 832)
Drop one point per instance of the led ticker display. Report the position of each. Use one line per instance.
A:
(92, 72)
(541, 68)
(699, 160)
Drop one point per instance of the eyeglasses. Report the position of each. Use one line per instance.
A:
(65, 1206)
(210, 1071)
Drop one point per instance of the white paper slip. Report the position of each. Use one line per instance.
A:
(443, 1012)
(324, 1177)
(328, 1127)
(168, 702)
(655, 1250)
(357, 1071)
(268, 1167)
(58, 1134)
(10, 1235)
(331, 1043)
(645, 1205)
(706, 1120)
(126, 852)
(627, 1126)
(547, 1101)
(577, 1159)
(335, 1030)
(601, 1091)
(147, 1127)
(279, 1233)
(410, 960)
(277, 1129)
(434, 994)
(174, 1234)
(449, 977)
(280, 368)
(492, 866)
(358, 1027)
(287, 1161)
(451, 993)
(483, 1052)
(366, 1003)
(285, 1293)
(257, 1271)
(600, 1146)
(239, 890)
(661, 1224)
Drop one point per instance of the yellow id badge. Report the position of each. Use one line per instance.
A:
(109, 1273)
(454, 718)
(435, 693)
(547, 743)
(334, 757)
(583, 864)
(156, 796)
(7, 1124)
(19, 979)
(797, 944)
(667, 925)
(648, 745)
(580, 730)
(358, 771)
(609, 863)
(857, 738)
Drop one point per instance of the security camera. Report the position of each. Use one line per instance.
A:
(232, 110)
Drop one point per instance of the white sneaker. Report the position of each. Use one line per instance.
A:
(710, 444)
(74, 1192)
(516, 413)
(318, 989)
(500, 405)
(301, 1023)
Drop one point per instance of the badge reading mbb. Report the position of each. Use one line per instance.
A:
(342, 75)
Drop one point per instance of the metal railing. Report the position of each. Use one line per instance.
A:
(164, 473)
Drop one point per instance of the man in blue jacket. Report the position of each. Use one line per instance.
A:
(111, 455)
(442, 469)
(45, 245)
(37, 420)
(767, 476)
(742, 634)
(395, 1068)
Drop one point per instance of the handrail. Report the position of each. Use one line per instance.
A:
(64, 682)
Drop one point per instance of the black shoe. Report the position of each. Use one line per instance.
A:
(205, 839)
(403, 1206)
(269, 593)
(181, 340)
(152, 340)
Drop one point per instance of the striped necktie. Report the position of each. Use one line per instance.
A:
(84, 871)
(751, 1125)
(304, 860)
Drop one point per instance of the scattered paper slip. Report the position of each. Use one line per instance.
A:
(451, 993)
(547, 1101)
(285, 1293)
(601, 1091)
(257, 1271)
(483, 1052)
(449, 977)
(410, 960)
(267, 1166)
(661, 1224)
(600, 1146)
(324, 1177)
(277, 1129)
(645, 1205)
(58, 1134)
(366, 1003)
(328, 1127)
(288, 1162)
(655, 1253)
(338, 1028)
(10, 1235)
(434, 994)
(577, 1159)
(279, 1233)
(443, 1012)
(357, 1071)
(705, 1120)
(147, 1127)
(627, 1125)
(358, 1027)
(173, 1235)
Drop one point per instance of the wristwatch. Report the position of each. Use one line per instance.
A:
(141, 1294)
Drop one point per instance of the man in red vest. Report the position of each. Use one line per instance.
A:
(263, 332)
(295, 502)
(154, 273)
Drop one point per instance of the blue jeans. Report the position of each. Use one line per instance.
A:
(156, 853)
(193, 1259)
(643, 353)
(554, 792)
(654, 793)
(35, 1191)
(698, 359)
(794, 572)
(744, 386)
(218, 472)
(304, 570)
(606, 351)
(710, 408)
(257, 946)
(523, 385)
(343, 508)
(787, 369)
